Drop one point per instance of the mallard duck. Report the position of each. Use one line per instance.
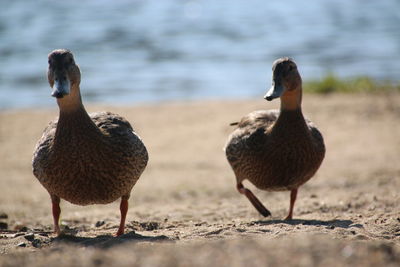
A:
(85, 158)
(276, 150)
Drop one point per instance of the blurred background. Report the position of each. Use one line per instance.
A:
(142, 51)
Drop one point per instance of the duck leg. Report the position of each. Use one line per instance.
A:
(293, 196)
(123, 207)
(253, 199)
(55, 201)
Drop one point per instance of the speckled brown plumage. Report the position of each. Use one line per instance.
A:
(92, 159)
(85, 159)
(276, 150)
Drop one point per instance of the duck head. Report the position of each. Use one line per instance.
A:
(286, 83)
(63, 74)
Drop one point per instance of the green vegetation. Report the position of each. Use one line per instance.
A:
(331, 84)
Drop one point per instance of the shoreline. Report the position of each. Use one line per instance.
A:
(326, 85)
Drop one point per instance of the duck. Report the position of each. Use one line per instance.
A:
(276, 150)
(84, 158)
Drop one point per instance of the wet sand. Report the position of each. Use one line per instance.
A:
(185, 209)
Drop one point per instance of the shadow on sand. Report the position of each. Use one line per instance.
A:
(108, 241)
(331, 223)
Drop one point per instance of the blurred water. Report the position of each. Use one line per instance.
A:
(160, 50)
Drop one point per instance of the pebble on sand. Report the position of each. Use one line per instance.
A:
(3, 225)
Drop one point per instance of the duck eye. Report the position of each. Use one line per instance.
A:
(291, 67)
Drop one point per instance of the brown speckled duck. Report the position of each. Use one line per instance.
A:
(276, 150)
(85, 158)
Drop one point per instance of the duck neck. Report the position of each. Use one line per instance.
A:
(72, 102)
(290, 125)
(73, 120)
(291, 116)
(291, 100)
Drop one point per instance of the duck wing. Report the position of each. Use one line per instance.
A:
(316, 135)
(250, 135)
(43, 146)
(123, 138)
(259, 118)
(111, 124)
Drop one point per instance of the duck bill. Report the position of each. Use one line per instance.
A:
(275, 91)
(61, 88)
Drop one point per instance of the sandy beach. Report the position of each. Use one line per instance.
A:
(185, 210)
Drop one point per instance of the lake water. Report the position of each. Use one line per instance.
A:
(160, 50)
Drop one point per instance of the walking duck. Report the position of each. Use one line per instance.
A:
(85, 158)
(276, 150)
